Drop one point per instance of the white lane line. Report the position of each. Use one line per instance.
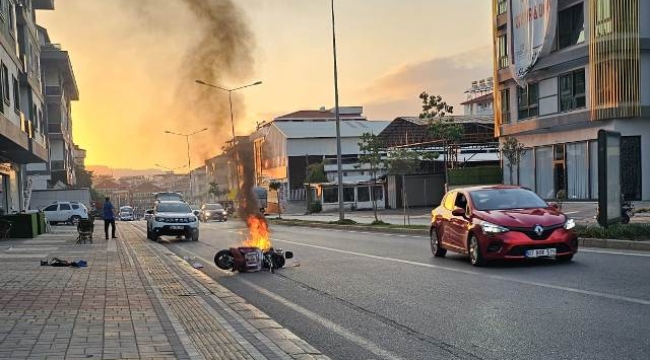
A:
(360, 341)
(496, 277)
(613, 252)
(571, 212)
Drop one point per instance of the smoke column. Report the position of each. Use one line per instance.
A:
(220, 53)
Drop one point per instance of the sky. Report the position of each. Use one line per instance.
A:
(135, 63)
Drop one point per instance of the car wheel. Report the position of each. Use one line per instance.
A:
(195, 236)
(149, 235)
(475, 255)
(75, 220)
(436, 249)
(564, 258)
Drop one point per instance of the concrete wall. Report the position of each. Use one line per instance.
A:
(327, 146)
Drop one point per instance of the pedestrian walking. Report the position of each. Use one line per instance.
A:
(109, 217)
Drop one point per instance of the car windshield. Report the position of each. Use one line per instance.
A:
(502, 199)
(214, 207)
(173, 208)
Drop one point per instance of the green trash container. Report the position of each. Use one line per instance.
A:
(40, 218)
(22, 225)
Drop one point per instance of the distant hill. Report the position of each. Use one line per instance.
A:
(118, 173)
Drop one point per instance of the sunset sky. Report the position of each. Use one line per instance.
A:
(134, 62)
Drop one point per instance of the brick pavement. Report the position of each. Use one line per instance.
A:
(135, 300)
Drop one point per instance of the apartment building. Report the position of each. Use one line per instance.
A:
(22, 122)
(594, 75)
(60, 88)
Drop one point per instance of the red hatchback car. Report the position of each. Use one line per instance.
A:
(501, 222)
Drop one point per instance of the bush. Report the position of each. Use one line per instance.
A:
(623, 232)
(315, 207)
(344, 222)
(379, 223)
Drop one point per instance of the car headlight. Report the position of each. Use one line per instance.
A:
(570, 224)
(490, 228)
(224, 212)
(207, 213)
(159, 219)
(193, 219)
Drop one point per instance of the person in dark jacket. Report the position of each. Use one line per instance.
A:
(109, 217)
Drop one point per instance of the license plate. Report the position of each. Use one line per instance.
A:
(534, 253)
(176, 227)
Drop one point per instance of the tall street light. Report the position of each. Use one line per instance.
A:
(339, 166)
(232, 119)
(172, 170)
(189, 161)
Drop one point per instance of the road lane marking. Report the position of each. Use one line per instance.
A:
(341, 331)
(469, 272)
(613, 252)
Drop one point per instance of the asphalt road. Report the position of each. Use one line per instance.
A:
(359, 295)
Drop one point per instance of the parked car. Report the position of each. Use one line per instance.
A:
(65, 212)
(213, 212)
(126, 213)
(501, 222)
(172, 218)
(148, 214)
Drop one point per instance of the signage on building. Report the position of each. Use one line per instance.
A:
(532, 28)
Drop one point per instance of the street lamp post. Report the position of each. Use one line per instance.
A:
(189, 160)
(339, 166)
(232, 118)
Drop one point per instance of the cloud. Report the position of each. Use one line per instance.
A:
(396, 93)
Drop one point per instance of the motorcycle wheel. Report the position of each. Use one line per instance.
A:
(224, 260)
(278, 261)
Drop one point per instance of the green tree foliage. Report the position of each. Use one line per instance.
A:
(441, 126)
(215, 190)
(371, 154)
(513, 151)
(316, 173)
(84, 177)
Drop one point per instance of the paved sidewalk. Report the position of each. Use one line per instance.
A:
(135, 300)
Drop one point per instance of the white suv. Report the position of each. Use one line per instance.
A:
(65, 212)
(172, 218)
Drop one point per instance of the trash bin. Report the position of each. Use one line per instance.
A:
(22, 225)
(40, 216)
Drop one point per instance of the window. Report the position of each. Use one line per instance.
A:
(505, 106)
(50, 208)
(363, 194)
(12, 22)
(17, 95)
(330, 195)
(504, 62)
(572, 90)
(502, 7)
(527, 101)
(603, 17)
(461, 201)
(449, 201)
(5, 84)
(348, 194)
(571, 26)
(4, 9)
(64, 206)
(75, 207)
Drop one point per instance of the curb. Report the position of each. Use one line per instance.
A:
(586, 242)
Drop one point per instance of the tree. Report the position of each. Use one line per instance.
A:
(442, 127)
(315, 174)
(403, 161)
(277, 186)
(372, 149)
(512, 151)
(84, 177)
(215, 190)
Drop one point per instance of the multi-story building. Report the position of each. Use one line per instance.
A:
(60, 90)
(480, 101)
(22, 124)
(79, 156)
(285, 147)
(200, 185)
(595, 75)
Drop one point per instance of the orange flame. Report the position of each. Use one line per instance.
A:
(258, 231)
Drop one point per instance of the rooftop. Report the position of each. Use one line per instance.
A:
(327, 129)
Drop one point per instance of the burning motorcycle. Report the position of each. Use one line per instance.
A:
(251, 259)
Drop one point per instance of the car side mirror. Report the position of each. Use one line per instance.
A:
(288, 255)
(554, 205)
(196, 212)
(458, 212)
